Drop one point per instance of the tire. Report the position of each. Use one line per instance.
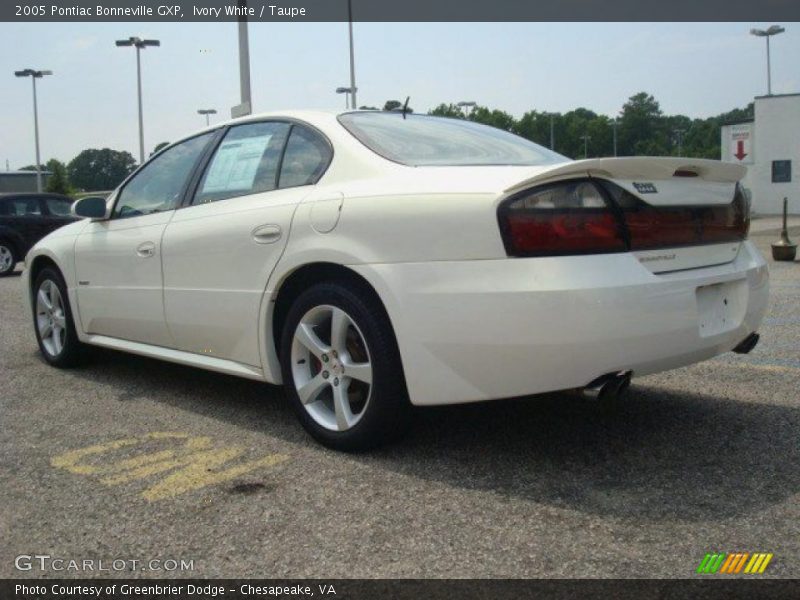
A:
(341, 409)
(8, 258)
(60, 347)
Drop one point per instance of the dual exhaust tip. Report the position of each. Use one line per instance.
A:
(608, 387)
(613, 386)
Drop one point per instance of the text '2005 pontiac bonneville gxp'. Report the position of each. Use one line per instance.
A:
(370, 261)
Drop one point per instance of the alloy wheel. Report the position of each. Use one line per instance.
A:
(51, 320)
(6, 259)
(331, 368)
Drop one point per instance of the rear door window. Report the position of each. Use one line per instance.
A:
(306, 158)
(246, 162)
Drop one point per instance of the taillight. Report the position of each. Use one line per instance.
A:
(590, 217)
(570, 217)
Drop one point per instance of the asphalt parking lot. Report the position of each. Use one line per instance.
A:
(133, 459)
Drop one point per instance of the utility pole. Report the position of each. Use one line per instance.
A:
(552, 132)
(586, 139)
(615, 136)
(353, 88)
(34, 75)
(140, 45)
(679, 137)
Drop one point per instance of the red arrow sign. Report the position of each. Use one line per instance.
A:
(740, 153)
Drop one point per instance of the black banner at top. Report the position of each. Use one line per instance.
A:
(399, 10)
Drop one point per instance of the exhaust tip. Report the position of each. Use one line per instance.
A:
(609, 386)
(747, 344)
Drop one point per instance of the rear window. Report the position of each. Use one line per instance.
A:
(420, 140)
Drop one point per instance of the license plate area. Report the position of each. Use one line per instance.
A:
(720, 307)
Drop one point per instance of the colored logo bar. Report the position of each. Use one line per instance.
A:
(735, 563)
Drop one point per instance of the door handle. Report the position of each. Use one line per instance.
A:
(267, 234)
(146, 249)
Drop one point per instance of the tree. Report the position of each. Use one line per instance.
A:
(159, 147)
(642, 128)
(100, 169)
(396, 105)
(495, 118)
(57, 182)
(447, 110)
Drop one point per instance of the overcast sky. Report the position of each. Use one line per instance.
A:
(695, 69)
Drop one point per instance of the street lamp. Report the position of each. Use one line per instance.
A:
(615, 135)
(586, 139)
(470, 104)
(679, 136)
(353, 88)
(34, 75)
(768, 33)
(346, 90)
(139, 44)
(206, 112)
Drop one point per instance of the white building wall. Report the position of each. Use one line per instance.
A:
(774, 135)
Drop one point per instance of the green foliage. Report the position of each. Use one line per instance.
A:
(396, 105)
(159, 147)
(100, 169)
(642, 129)
(57, 182)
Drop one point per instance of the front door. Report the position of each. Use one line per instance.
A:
(118, 261)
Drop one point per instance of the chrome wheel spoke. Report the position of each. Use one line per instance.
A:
(340, 323)
(45, 330)
(341, 406)
(44, 299)
(309, 391)
(58, 344)
(306, 336)
(360, 371)
(59, 320)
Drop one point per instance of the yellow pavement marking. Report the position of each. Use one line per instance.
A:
(190, 463)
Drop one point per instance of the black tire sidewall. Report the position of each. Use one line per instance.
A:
(70, 354)
(388, 410)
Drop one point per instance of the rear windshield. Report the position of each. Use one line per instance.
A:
(420, 140)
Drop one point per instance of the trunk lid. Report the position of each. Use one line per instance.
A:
(688, 199)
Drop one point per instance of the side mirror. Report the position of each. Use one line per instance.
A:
(92, 207)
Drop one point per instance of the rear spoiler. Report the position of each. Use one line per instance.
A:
(639, 168)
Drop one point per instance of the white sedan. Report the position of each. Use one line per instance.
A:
(371, 261)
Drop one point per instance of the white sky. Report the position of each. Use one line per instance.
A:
(698, 69)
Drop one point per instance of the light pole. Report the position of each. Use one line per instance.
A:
(353, 88)
(768, 33)
(139, 44)
(679, 136)
(471, 104)
(615, 136)
(586, 139)
(34, 75)
(346, 91)
(206, 112)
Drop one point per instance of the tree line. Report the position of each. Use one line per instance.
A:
(642, 129)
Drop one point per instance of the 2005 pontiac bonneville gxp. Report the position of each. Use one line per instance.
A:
(371, 261)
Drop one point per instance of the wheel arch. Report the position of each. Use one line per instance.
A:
(295, 282)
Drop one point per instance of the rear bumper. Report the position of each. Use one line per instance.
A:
(479, 330)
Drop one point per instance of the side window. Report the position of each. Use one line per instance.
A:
(58, 207)
(25, 207)
(306, 158)
(157, 187)
(246, 162)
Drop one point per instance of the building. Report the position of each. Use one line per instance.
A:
(20, 181)
(769, 146)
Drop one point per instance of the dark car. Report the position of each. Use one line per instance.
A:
(24, 220)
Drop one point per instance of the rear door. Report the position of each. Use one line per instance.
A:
(220, 249)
